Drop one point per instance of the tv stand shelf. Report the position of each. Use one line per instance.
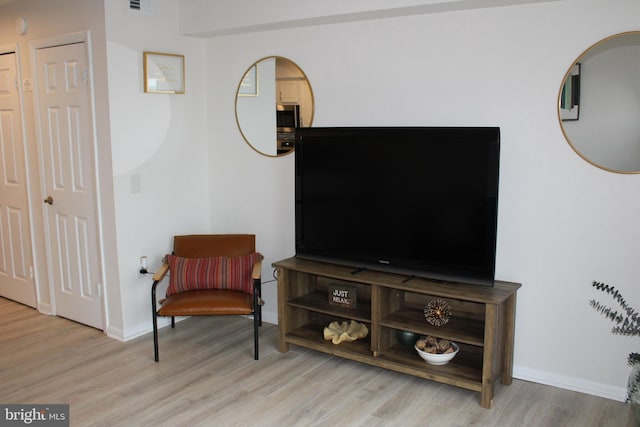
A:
(482, 323)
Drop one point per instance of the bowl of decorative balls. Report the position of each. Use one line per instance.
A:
(436, 351)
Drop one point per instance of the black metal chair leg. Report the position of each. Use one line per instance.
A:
(155, 337)
(154, 315)
(255, 335)
(256, 319)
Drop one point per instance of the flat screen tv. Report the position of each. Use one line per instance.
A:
(420, 201)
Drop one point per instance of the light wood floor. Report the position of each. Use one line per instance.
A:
(207, 377)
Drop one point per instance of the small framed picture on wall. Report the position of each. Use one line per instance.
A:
(163, 72)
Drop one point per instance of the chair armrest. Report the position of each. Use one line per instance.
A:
(162, 271)
(256, 273)
(256, 276)
(157, 277)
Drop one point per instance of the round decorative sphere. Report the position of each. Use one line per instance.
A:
(406, 337)
(437, 312)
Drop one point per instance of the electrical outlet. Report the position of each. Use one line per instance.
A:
(143, 266)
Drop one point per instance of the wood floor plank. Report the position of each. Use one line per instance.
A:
(207, 376)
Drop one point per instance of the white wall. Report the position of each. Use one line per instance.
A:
(158, 140)
(563, 223)
(225, 17)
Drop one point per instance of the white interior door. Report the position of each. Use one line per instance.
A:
(67, 138)
(16, 258)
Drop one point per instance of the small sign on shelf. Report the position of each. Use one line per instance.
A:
(343, 295)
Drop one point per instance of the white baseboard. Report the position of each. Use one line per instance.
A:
(115, 333)
(270, 317)
(146, 328)
(44, 309)
(570, 383)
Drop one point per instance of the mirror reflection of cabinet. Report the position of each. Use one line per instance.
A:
(271, 92)
(286, 90)
(599, 104)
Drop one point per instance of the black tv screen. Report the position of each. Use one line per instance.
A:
(420, 201)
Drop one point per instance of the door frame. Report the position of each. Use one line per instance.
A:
(58, 40)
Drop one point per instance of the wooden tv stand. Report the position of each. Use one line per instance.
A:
(482, 323)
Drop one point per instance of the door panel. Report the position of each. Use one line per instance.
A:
(66, 124)
(16, 260)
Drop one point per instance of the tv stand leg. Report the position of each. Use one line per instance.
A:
(283, 347)
(490, 348)
(486, 401)
(509, 333)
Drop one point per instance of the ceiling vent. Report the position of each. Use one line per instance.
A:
(145, 7)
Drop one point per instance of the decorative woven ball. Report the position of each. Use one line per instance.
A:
(437, 312)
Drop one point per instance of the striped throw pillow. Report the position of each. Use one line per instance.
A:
(190, 274)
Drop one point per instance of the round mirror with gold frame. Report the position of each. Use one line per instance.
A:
(273, 98)
(599, 104)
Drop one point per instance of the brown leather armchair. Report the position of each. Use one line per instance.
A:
(210, 275)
